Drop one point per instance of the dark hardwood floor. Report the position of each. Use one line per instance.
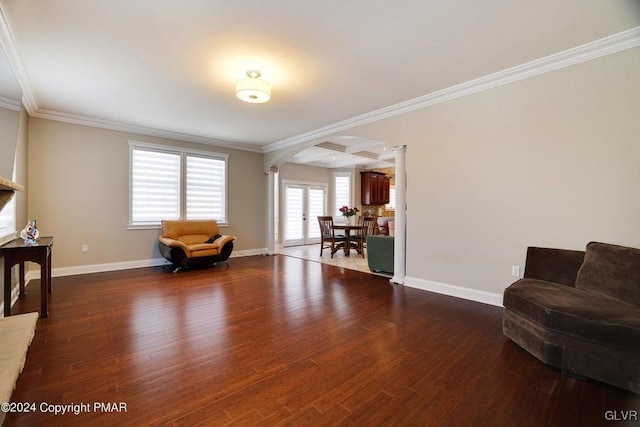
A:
(280, 340)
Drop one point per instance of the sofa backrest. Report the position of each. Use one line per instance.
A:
(190, 231)
(612, 271)
(553, 265)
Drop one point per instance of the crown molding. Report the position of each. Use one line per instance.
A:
(586, 52)
(17, 65)
(9, 104)
(31, 104)
(141, 130)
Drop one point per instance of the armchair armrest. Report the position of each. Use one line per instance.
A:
(172, 243)
(222, 240)
(553, 265)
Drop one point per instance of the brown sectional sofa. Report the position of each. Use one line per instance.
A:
(580, 311)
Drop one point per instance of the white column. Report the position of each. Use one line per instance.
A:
(271, 245)
(400, 241)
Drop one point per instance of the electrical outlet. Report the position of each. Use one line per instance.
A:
(515, 270)
(85, 248)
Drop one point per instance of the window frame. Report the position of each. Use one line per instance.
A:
(183, 153)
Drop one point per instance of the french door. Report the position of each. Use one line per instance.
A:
(303, 203)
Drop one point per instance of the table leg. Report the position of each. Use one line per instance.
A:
(7, 286)
(49, 255)
(21, 268)
(347, 243)
(44, 312)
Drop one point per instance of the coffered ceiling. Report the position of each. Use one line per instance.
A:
(169, 67)
(347, 152)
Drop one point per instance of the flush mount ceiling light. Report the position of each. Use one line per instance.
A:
(253, 88)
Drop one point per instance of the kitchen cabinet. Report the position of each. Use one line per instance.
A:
(374, 188)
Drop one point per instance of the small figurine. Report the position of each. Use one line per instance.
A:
(30, 233)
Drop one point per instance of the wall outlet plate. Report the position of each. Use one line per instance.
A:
(515, 270)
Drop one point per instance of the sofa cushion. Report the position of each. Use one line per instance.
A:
(612, 271)
(580, 313)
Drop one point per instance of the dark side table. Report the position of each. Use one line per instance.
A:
(17, 252)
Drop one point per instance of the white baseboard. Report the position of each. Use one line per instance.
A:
(454, 291)
(124, 265)
(249, 252)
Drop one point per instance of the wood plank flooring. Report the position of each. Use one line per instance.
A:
(285, 341)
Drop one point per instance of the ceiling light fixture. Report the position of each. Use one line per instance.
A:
(253, 88)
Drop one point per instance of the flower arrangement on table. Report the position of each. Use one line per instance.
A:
(348, 212)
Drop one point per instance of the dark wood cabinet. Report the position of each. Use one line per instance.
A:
(374, 188)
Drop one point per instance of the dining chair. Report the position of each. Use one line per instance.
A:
(328, 239)
(368, 223)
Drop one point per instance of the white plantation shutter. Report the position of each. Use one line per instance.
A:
(294, 209)
(342, 189)
(171, 183)
(206, 188)
(155, 186)
(316, 201)
(7, 218)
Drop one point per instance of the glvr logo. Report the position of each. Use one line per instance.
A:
(630, 415)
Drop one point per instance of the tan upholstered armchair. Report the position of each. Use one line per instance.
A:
(189, 243)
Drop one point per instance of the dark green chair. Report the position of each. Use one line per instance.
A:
(380, 253)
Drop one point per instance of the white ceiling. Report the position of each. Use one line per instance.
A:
(171, 66)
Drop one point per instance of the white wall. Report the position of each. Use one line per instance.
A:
(551, 161)
(79, 193)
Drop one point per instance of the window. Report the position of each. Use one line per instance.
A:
(341, 192)
(206, 192)
(168, 183)
(391, 206)
(8, 212)
(8, 218)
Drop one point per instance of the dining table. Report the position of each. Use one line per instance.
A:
(347, 228)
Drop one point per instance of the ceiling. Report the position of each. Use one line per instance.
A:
(347, 151)
(169, 67)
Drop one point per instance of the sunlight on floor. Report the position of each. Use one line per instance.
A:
(312, 253)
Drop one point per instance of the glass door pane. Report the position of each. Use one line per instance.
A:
(316, 202)
(293, 215)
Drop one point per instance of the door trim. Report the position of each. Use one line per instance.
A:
(306, 185)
